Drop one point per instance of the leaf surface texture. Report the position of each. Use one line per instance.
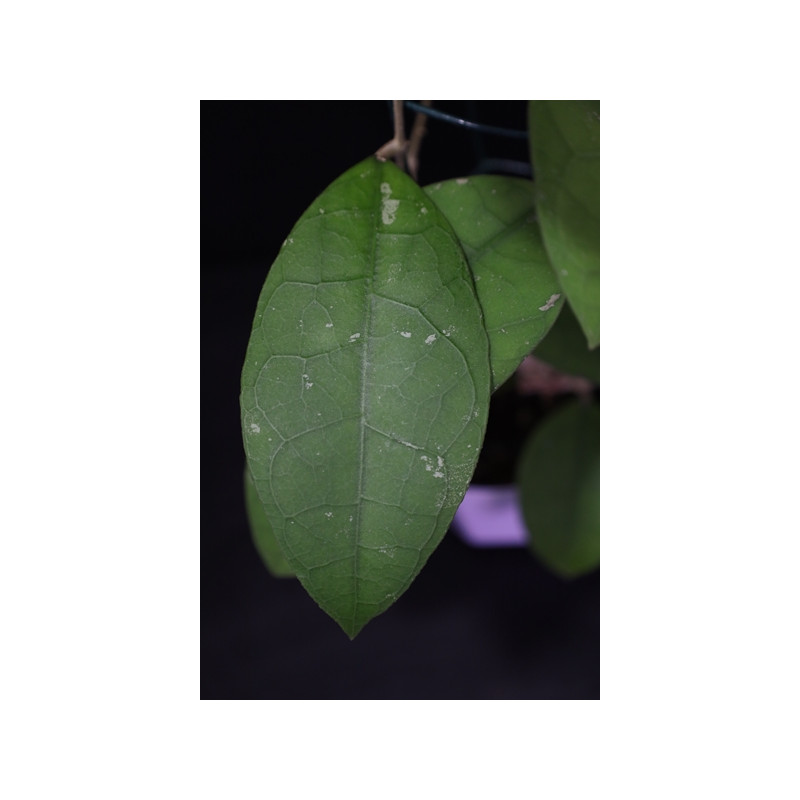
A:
(365, 390)
(565, 348)
(565, 153)
(559, 483)
(261, 531)
(494, 219)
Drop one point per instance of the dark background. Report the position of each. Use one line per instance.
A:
(476, 623)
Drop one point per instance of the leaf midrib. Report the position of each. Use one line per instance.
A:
(365, 361)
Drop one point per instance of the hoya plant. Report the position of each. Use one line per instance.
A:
(391, 314)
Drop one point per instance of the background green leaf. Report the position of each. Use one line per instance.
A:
(365, 390)
(494, 218)
(565, 348)
(565, 153)
(261, 531)
(559, 484)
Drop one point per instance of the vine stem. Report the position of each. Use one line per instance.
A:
(396, 147)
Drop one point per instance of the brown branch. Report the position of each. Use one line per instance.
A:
(396, 147)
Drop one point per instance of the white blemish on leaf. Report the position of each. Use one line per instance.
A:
(328, 324)
(354, 337)
(449, 331)
(254, 428)
(564, 272)
(388, 206)
(550, 303)
(329, 514)
(431, 339)
(462, 181)
(405, 334)
(425, 460)
(322, 211)
(423, 210)
(389, 210)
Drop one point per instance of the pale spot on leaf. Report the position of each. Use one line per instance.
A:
(550, 303)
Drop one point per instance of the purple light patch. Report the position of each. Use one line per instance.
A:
(490, 516)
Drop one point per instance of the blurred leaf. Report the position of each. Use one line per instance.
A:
(493, 217)
(263, 537)
(559, 484)
(565, 348)
(365, 390)
(565, 153)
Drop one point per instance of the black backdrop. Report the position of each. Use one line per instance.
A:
(476, 623)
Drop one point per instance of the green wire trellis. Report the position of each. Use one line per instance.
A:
(465, 123)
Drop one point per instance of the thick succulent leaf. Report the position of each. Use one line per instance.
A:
(494, 218)
(263, 537)
(559, 484)
(565, 153)
(565, 348)
(365, 390)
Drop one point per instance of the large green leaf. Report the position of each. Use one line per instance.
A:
(565, 152)
(493, 216)
(365, 390)
(263, 537)
(565, 348)
(559, 484)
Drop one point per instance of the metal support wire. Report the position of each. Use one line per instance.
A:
(465, 123)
